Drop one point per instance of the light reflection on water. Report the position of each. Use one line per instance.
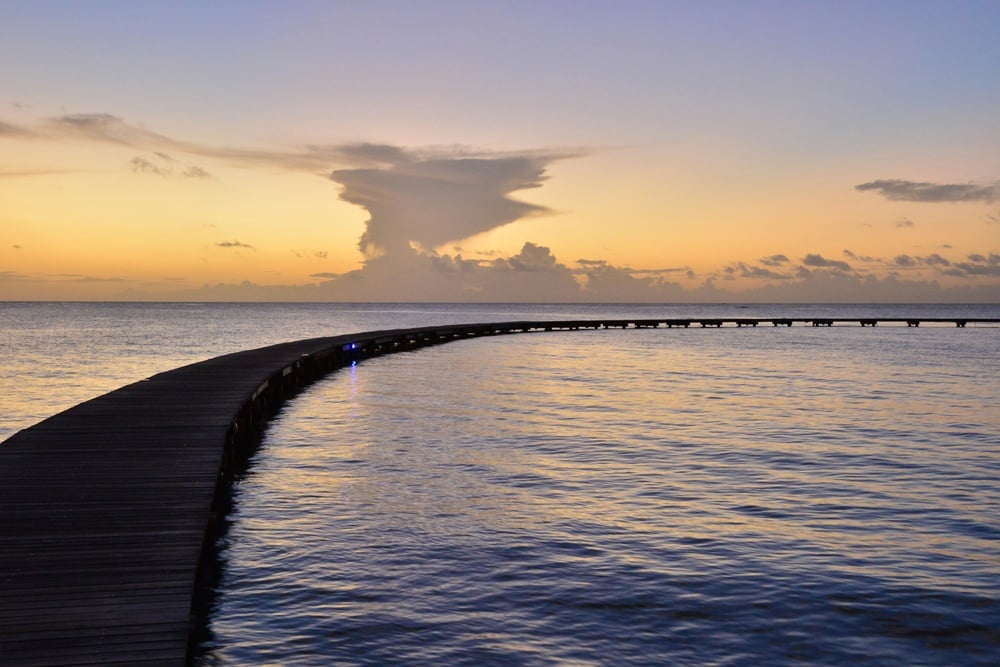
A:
(629, 497)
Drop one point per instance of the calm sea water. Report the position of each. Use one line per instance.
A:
(733, 496)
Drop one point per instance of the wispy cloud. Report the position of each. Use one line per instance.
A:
(161, 164)
(140, 165)
(104, 127)
(10, 130)
(916, 191)
(195, 172)
(905, 223)
(13, 276)
(108, 128)
(234, 244)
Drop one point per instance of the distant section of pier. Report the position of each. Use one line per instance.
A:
(107, 508)
(778, 322)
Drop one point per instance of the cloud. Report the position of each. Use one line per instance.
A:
(904, 261)
(80, 278)
(10, 130)
(533, 258)
(234, 244)
(195, 172)
(534, 274)
(62, 278)
(16, 247)
(458, 191)
(108, 128)
(165, 166)
(320, 254)
(818, 261)
(435, 197)
(935, 259)
(744, 270)
(774, 260)
(104, 127)
(978, 265)
(900, 190)
(905, 223)
(140, 165)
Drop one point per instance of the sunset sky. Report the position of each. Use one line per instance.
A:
(500, 151)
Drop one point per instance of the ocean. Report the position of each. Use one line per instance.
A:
(728, 496)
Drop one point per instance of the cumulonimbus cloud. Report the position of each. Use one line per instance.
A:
(918, 191)
(430, 198)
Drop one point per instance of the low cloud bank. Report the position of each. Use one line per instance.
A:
(536, 275)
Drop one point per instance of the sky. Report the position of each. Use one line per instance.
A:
(536, 151)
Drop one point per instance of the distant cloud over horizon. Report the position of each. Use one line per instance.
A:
(918, 191)
(535, 274)
(818, 261)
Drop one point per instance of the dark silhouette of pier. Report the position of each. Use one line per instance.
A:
(107, 508)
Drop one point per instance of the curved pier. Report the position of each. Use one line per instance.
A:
(105, 508)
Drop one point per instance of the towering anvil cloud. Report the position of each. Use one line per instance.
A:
(436, 198)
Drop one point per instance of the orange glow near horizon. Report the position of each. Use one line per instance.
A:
(709, 162)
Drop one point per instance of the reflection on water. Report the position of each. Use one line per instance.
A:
(764, 496)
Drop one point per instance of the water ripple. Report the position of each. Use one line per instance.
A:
(734, 499)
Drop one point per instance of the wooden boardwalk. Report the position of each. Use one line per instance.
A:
(105, 508)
